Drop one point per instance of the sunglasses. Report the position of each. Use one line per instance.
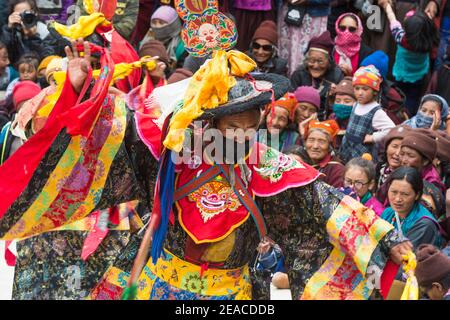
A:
(351, 29)
(266, 47)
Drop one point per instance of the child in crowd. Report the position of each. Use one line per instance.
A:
(28, 70)
(433, 272)
(344, 101)
(368, 122)
(7, 72)
(412, 61)
(432, 114)
(360, 174)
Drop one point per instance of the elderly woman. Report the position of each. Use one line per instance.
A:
(349, 50)
(319, 70)
(264, 49)
(318, 143)
(432, 114)
(278, 120)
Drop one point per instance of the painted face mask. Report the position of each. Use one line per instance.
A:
(342, 111)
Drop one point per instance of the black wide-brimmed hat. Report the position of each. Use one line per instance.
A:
(251, 92)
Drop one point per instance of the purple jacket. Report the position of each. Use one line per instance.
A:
(253, 5)
(375, 205)
(430, 174)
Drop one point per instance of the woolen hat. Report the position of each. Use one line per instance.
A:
(443, 145)
(165, 13)
(368, 76)
(308, 94)
(287, 102)
(322, 42)
(398, 132)
(432, 265)
(422, 141)
(345, 87)
(24, 90)
(380, 60)
(267, 30)
(154, 48)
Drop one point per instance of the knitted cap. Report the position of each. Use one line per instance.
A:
(154, 48)
(368, 76)
(179, 74)
(380, 60)
(267, 30)
(432, 265)
(398, 132)
(322, 42)
(165, 13)
(329, 126)
(421, 140)
(24, 90)
(308, 94)
(287, 102)
(345, 87)
(443, 145)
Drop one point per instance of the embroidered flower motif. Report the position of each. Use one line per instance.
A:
(193, 283)
(273, 164)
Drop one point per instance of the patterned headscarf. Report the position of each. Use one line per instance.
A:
(348, 44)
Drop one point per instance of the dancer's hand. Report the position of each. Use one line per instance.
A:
(397, 252)
(77, 67)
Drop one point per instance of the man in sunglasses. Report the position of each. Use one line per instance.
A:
(263, 49)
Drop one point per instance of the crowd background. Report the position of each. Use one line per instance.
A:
(368, 105)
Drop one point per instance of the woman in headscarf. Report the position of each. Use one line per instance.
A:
(349, 49)
(165, 26)
(432, 114)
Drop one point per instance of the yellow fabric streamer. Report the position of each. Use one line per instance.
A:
(89, 6)
(123, 70)
(411, 290)
(208, 89)
(84, 27)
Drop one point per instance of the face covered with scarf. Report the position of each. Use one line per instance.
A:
(431, 106)
(348, 37)
(165, 24)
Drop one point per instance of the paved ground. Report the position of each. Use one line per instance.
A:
(7, 275)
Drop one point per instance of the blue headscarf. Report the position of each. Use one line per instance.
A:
(421, 120)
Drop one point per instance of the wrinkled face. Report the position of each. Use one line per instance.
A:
(317, 63)
(435, 292)
(158, 23)
(429, 108)
(317, 145)
(304, 111)
(27, 72)
(262, 50)
(277, 119)
(344, 99)
(4, 59)
(233, 125)
(393, 153)
(364, 94)
(401, 197)
(356, 178)
(208, 34)
(412, 158)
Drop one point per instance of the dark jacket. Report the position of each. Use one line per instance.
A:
(301, 77)
(364, 51)
(273, 65)
(318, 8)
(17, 45)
